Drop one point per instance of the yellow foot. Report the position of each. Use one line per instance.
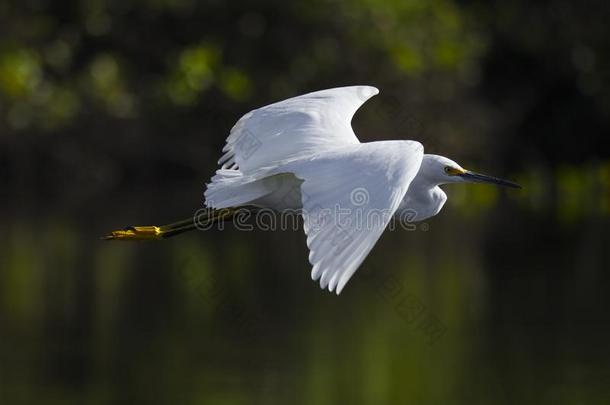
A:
(136, 233)
(169, 230)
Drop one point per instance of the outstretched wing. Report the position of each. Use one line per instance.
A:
(349, 196)
(294, 128)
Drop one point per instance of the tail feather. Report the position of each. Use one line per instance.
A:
(231, 188)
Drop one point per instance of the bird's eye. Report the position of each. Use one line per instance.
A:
(447, 169)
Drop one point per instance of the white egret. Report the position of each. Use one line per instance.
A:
(306, 143)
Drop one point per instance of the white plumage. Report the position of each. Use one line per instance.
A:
(348, 191)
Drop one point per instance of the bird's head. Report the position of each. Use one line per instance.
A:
(441, 170)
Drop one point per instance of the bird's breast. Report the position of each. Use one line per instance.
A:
(420, 204)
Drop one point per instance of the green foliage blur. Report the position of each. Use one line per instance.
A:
(114, 112)
(125, 92)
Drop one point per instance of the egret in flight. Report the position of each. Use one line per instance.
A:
(307, 144)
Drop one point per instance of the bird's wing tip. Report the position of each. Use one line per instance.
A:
(366, 91)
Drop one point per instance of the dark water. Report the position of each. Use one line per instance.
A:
(490, 302)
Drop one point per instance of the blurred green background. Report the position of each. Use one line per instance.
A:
(113, 112)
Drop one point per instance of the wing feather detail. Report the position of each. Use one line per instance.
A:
(294, 128)
(349, 197)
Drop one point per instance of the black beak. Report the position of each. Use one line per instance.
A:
(481, 178)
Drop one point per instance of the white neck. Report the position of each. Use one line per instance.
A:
(423, 200)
